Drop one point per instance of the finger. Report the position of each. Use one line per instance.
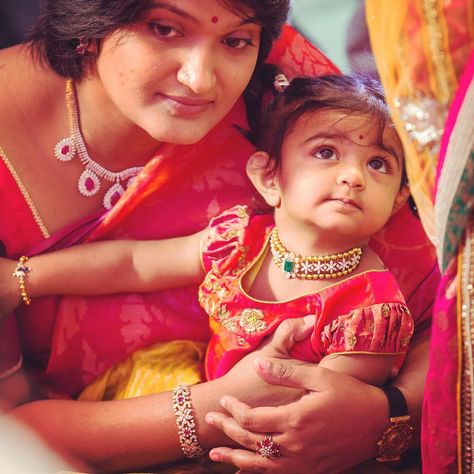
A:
(289, 332)
(248, 461)
(258, 419)
(234, 431)
(286, 374)
(394, 372)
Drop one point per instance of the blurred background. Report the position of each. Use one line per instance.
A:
(337, 27)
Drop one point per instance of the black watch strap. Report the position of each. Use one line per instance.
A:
(397, 436)
(396, 401)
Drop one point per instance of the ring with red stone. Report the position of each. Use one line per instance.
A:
(267, 448)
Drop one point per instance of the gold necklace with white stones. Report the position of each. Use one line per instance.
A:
(315, 267)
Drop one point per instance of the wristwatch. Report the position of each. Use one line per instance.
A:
(398, 434)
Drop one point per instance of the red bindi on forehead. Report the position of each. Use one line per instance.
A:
(214, 19)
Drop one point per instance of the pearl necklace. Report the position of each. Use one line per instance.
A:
(89, 181)
(313, 268)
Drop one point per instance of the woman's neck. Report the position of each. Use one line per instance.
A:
(111, 138)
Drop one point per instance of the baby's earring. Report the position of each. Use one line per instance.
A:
(81, 48)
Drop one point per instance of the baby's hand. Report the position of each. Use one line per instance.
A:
(9, 287)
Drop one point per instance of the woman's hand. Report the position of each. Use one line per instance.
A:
(244, 383)
(334, 426)
(9, 288)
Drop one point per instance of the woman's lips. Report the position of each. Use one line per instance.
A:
(185, 105)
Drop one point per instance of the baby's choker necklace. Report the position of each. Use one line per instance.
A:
(313, 268)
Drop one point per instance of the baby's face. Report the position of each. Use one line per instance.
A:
(337, 177)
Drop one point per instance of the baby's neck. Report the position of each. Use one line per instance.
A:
(313, 243)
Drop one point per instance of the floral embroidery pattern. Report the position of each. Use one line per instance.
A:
(351, 339)
(251, 320)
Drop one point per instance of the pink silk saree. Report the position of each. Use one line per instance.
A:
(449, 398)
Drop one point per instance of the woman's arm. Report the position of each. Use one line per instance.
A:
(349, 415)
(119, 435)
(108, 267)
(141, 432)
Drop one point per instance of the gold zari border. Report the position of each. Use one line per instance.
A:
(44, 231)
(443, 70)
(466, 334)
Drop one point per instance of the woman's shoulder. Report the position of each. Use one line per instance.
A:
(28, 89)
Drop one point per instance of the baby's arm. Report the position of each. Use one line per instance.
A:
(116, 266)
(373, 369)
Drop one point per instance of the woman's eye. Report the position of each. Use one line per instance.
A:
(379, 164)
(237, 43)
(164, 31)
(325, 154)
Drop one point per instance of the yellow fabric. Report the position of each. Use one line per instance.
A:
(155, 369)
(420, 77)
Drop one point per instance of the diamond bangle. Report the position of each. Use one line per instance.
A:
(185, 422)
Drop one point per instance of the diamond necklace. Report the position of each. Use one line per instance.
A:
(89, 182)
(313, 268)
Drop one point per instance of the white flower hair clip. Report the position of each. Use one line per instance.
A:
(280, 83)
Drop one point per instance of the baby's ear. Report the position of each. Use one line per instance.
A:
(261, 172)
(401, 198)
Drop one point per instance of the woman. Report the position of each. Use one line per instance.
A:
(158, 86)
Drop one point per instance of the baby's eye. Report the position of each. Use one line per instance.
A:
(164, 31)
(379, 164)
(237, 43)
(325, 154)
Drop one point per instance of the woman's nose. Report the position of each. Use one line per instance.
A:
(352, 176)
(197, 71)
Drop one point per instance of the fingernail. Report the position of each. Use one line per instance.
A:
(210, 419)
(215, 456)
(223, 401)
(265, 365)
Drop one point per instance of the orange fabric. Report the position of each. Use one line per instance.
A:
(421, 49)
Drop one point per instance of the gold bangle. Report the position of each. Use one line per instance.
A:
(20, 272)
(186, 423)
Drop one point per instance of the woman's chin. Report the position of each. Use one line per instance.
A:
(180, 136)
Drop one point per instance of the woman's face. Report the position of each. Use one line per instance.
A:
(180, 70)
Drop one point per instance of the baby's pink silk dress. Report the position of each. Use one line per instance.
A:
(363, 314)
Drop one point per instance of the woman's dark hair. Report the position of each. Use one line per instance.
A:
(61, 23)
(357, 94)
